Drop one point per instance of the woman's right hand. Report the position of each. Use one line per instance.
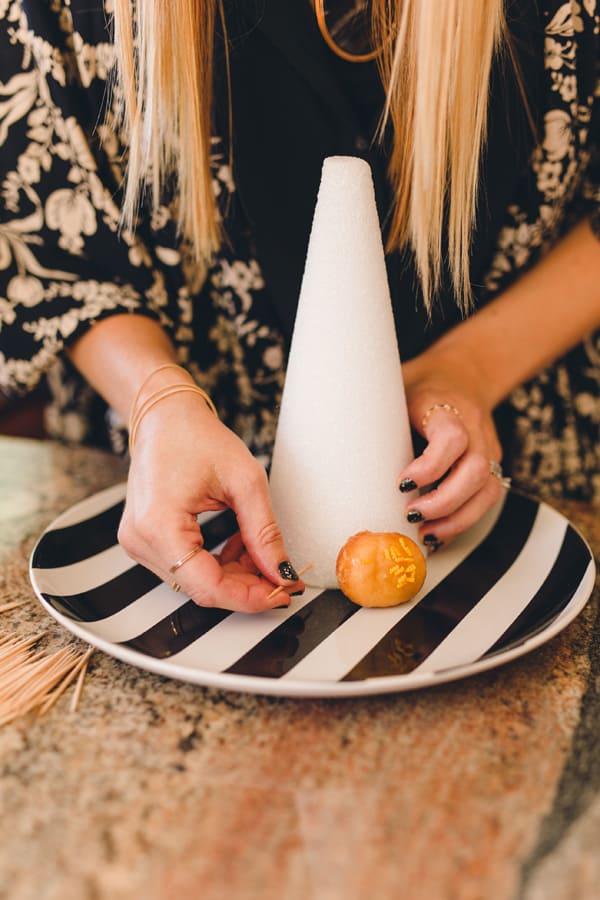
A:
(185, 461)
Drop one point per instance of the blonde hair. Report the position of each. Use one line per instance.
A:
(436, 72)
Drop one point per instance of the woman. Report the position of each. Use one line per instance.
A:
(485, 180)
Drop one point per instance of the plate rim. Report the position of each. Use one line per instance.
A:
(298, 688)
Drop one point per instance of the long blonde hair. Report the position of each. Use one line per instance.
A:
(436, 72)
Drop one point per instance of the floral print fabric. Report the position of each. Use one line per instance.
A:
(66, 263)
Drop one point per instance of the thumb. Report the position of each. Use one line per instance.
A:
(260, 532)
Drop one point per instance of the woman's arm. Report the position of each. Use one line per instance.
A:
(184, 462)
(477, 364)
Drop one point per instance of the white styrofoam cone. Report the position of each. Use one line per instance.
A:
(343, 434)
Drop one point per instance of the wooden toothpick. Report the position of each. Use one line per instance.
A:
(80, 680)
(282, 587)
(13, 605)
(58, 691)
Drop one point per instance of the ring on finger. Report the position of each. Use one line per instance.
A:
(175, 587)
(183, 559)
(497, 471)
(445, 406)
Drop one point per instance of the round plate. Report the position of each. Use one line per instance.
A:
(504, 587)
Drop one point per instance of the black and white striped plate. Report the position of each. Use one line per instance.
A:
(508, 585)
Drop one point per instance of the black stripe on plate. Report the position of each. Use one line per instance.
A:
(553, 596)
(114, 595)
(422, 629)
(177, 631)
(291, 641)
(65, 546)
(106, 599)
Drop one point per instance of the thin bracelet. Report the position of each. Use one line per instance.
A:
(436, 406)
(135, 400)
(153, 397)
(162, 394)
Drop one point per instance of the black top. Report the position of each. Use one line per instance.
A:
(322, 109)
(65, 262)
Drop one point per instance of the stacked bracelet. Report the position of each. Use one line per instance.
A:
(180, 387)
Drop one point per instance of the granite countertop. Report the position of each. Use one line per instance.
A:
(485, 788)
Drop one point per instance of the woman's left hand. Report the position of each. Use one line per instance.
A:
(447, 405)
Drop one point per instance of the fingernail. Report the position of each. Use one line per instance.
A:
(283, 606)
(413, 515)
(287, 571)
(296, 593)
(432, 543)
(407, 484)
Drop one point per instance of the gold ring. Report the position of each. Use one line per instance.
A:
(176, 587)
(185, 558)
(446, 406)
(497, 471)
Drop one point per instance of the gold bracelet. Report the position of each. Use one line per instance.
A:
(162, 394)
(138, 394)
(436, 406)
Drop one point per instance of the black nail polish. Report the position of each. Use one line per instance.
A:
(406, 485)
(433, 548)
(414, 515)
(287, 571)
(432, 543)
(296, 593)
(284, 606)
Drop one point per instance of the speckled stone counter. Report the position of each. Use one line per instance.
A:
(486, 788)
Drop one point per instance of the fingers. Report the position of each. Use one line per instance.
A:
(259, 530)
(249, 566)
(457, 460)
(436, 532)
(229, 582)
(457, 503)
(448, 440)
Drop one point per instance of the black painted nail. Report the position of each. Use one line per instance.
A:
(285, 606)
(407, 484)
(296, 593)
(433, 548)
(413, 515)
(432, 543)
(287, 571)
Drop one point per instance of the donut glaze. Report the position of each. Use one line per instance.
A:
(380, 568)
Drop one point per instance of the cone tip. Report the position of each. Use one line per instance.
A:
(344, 166)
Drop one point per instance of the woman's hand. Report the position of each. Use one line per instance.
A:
(185, 462)
(447, 404)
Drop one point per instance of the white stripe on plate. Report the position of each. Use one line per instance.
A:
(83, 575)
(224, 644)
(92, 572)
(88, 508)
(348, 644)
(497, 610)
(138, 617)
(99, 503)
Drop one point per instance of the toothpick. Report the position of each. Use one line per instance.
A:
(282, 587)
(80, 680)
(53, 697)
(15, 604)
(34, 683)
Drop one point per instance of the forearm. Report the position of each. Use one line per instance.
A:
(548, 311)
(118, 353)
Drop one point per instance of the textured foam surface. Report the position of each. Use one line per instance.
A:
(343, 435)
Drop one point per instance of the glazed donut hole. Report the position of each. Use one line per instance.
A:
(378, 569)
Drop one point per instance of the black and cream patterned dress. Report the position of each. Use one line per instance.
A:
(65, 263)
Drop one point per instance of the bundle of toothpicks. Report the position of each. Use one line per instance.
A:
(32, 679)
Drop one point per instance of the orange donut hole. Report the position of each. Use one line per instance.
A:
(380, 568)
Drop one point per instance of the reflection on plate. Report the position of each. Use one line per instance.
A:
(508, 585)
